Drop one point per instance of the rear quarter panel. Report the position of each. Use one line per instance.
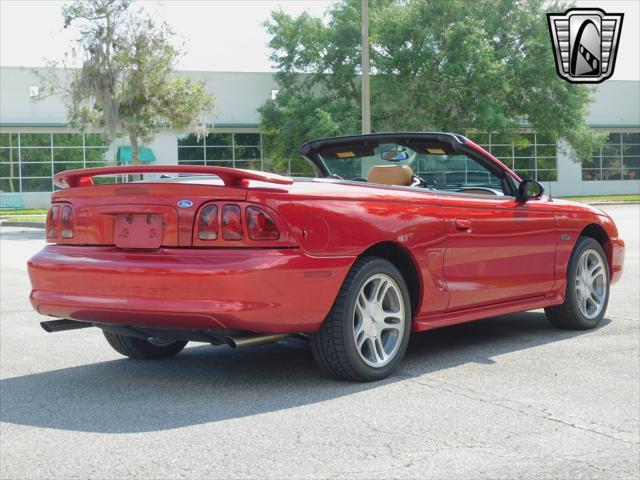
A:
(330, 219)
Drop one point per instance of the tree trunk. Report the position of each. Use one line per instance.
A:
(135, 155)
(135, 148)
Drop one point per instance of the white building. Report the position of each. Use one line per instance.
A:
(36, 143)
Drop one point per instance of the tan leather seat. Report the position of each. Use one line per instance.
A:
(391, 175)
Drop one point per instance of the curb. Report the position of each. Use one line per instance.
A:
(613, 203)
(23, 224)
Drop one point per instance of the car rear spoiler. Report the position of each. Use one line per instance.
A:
(232, 177)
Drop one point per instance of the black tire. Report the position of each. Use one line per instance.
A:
(140, 348)
(568, 315)
(334, 346)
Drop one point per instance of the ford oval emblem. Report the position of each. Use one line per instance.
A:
(185, 203)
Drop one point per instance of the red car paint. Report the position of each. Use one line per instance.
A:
(475, 256)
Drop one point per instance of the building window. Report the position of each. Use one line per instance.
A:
(617, 159)
(238, 150)
(28, 161)
(531, 155)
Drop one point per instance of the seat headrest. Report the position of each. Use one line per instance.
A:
(391, 175)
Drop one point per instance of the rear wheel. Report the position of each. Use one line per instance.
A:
(152, 348)
(587, 294)
(367, 331)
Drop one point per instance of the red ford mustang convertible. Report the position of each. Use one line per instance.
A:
(397, 233)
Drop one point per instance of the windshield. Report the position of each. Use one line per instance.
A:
(433, 165)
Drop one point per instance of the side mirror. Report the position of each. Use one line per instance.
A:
(529, 189)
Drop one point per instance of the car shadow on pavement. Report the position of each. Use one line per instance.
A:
(205, 384)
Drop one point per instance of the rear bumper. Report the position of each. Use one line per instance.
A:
(267, 291)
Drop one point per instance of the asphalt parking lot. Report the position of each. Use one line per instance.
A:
(507, 397)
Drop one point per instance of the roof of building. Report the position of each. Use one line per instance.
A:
(238, 95)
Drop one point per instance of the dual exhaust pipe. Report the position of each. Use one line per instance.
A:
(240, 341)
(52, 326)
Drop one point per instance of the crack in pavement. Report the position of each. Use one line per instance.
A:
(608, 431)
(407, 463)
(618, 317)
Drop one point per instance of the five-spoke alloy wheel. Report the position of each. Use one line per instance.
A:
(378, 320)
(366, 334)
(591, 283)
(587, 292)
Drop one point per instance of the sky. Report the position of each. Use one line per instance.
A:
(226, 35)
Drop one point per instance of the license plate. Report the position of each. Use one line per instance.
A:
(138, 231)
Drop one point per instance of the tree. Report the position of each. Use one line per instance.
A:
(451, 65)
(126, 84)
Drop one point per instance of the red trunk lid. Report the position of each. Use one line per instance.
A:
(140, 215)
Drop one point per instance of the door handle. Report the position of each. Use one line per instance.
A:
(462, 224)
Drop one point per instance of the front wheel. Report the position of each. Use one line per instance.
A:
(367, 331)
(153, 348)
(587, 293)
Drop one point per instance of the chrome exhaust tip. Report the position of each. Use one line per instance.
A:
(254, 340)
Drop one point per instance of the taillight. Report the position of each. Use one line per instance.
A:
(208, 223)
(218, 223)
(231, 222)
(52, 221)
(260, 225)
(66, 222)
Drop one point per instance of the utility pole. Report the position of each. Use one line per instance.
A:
(366, 96)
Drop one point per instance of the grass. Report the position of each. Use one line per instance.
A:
(30, 218)
(28, 211)
(38, 215)
(606, 198)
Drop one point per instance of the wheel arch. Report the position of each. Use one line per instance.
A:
(405, 262)
(600, 235)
